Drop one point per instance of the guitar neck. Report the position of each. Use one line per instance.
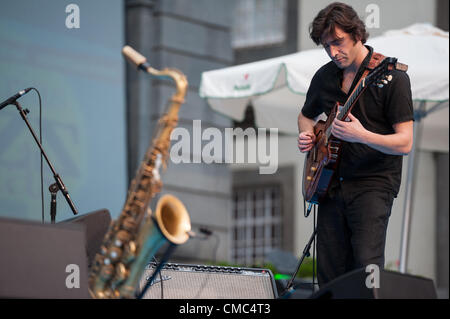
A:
(351, 100)
(343, 113)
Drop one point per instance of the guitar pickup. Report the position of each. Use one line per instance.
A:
(334, 148)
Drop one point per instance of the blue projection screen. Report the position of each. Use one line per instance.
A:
(77, 66)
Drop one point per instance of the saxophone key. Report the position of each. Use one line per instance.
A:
(129, 224)
(103, 251)
(147, 170)
(122, 237)
(106, 272)
(105, 293)
(114, 254)
(120, 276)
(130, 253)
(137, 202)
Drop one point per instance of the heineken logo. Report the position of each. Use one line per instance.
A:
(243, 86)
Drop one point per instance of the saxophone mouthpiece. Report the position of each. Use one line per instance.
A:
(134, 57)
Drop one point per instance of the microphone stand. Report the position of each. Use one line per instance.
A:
(288, 290)
(58, 180)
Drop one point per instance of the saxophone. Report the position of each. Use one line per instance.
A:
(137, 234)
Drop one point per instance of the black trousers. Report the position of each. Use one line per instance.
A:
(351, 230)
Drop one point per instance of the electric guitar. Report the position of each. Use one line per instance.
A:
(321, 161)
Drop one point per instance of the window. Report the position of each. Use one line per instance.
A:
(256, 223)
(259, 22)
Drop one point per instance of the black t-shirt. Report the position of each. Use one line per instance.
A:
(377, 110)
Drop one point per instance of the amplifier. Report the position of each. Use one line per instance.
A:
(182, 281)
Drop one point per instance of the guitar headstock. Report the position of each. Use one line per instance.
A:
(380, 76)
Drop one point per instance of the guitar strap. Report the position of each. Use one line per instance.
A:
(375, 60)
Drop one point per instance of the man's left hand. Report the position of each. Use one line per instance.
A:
(349, 131)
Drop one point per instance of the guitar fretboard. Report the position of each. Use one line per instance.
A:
(352, 98)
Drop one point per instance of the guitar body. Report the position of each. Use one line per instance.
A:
(321, 161)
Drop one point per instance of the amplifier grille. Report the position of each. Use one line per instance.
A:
(181, 281)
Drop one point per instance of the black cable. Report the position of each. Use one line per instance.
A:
(162, 287)
(304, 208)
(158, 268)
(216, 247)
(160, 278)
(207, 233)
(314, 249)
(42, 157)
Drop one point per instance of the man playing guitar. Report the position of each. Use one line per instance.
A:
(353, 215)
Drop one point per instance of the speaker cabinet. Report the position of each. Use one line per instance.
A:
(42, 260)
(181, 281)
(392, 285)
(96, 225)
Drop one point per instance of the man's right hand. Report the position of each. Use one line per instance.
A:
(306, 141)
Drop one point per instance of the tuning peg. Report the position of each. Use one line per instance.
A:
(385, 82)
(380, 85)
(389, 77)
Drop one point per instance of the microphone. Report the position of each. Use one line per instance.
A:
(205, 231)
(13, 98)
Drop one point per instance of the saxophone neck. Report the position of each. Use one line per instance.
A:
(177, 76)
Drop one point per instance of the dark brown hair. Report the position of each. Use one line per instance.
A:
(341, 15)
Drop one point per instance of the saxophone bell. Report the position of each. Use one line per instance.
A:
(173, 219)
(169, 223)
